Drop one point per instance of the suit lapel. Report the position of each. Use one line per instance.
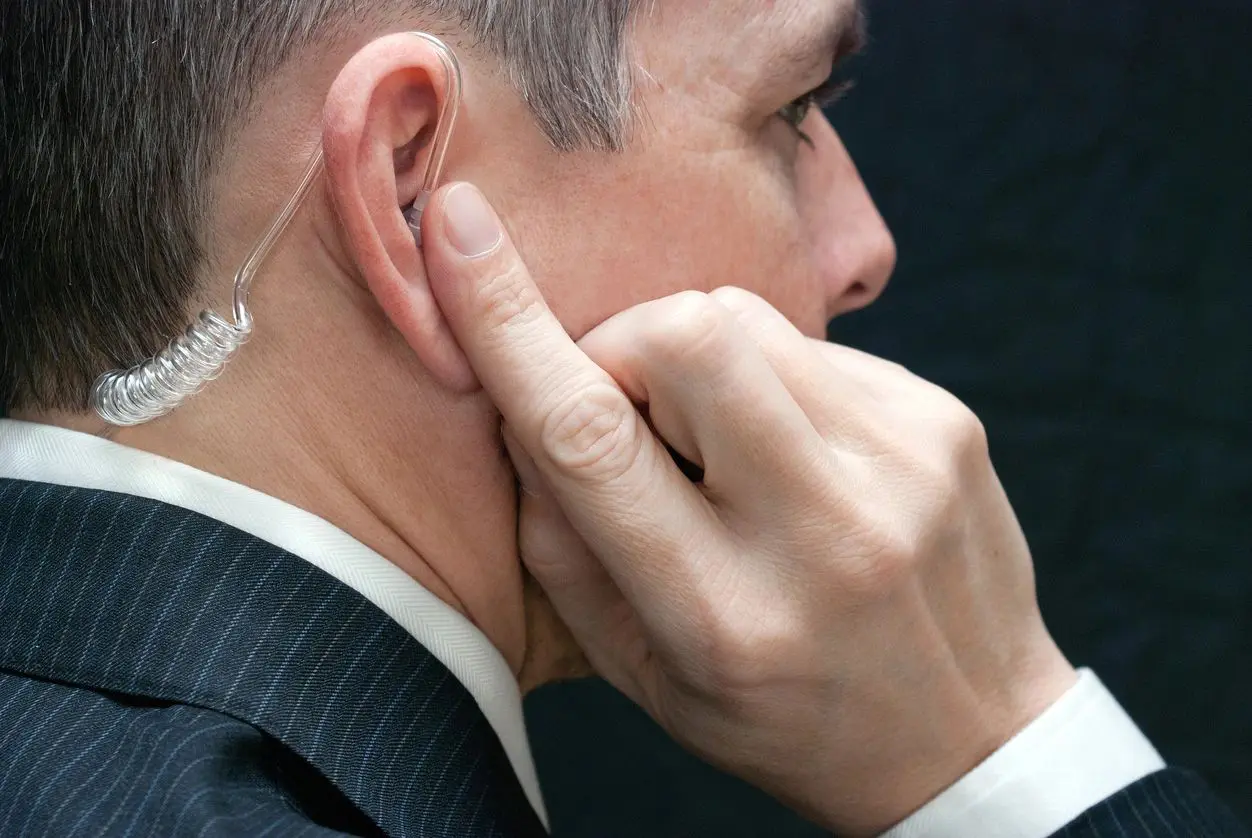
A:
(131, 595)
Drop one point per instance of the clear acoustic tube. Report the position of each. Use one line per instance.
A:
(158, 385)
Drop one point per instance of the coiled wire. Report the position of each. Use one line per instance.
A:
(158, 385)
(161, 383)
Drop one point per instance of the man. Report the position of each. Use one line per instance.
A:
(296, 604)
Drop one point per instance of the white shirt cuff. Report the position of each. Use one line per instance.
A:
(1080, 751)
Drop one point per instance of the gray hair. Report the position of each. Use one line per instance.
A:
(113, 114)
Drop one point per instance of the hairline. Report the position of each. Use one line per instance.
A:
(108, 300)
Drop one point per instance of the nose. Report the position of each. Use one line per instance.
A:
(857, 261)
(852, 247)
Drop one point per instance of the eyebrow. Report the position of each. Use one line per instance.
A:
(815, 41)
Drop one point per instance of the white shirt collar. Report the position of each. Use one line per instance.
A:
(47, 454)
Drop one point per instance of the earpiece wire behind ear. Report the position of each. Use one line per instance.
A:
(452, 84)
(158, 385)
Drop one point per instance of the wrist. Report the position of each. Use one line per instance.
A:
(1080, 751)
(950, 739)
(1041, 681)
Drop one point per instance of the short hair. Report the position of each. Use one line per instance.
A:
(113, 114)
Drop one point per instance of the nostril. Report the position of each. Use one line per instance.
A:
(859, 295)
(856, 296)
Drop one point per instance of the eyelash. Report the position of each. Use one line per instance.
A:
(797, 110)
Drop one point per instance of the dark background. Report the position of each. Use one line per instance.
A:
(1070, 186)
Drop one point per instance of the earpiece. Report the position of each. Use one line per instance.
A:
(413, 216)
(157, 386)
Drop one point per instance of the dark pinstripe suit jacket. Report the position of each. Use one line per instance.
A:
(162, 674)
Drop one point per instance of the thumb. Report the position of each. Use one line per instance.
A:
(612, 478)
(514, 342)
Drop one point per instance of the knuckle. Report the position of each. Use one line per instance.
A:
(693, 327)
(737, 654)
(593, 434)
(547, 544)
(751, 311)
(507, 299)
(883, 561)
(750, 632)
(736, 298)
(972, 434)
(964, 431)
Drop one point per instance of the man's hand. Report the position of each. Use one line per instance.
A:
(842, 611)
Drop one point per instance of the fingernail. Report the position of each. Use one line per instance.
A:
(527, 473)
(472, 225)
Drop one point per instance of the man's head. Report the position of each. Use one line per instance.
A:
(116, 116)
(119, 119)
(635, 149)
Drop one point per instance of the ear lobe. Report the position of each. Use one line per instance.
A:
(379, 119)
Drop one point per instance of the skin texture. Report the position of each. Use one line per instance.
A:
(840, 609)
(353, 399)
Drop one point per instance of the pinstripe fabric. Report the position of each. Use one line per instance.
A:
(164, 674)
(1168, 804)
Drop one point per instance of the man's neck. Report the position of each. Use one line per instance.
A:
(417, 477)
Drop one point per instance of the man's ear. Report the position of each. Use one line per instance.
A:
(379, 121)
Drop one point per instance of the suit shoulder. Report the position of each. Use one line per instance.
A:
(76, 761)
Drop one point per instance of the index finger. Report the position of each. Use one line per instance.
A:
(613, 478)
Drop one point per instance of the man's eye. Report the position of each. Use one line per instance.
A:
(796, 111)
